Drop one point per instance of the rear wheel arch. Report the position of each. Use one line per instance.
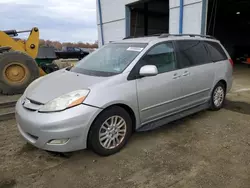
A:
(217, 99)
(223, 82)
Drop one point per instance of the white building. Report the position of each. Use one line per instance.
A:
(119, 17)
(227, 20)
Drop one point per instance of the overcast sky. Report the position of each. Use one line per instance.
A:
(63, 20)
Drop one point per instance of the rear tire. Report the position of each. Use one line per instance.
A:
(105, 139)
(18, 70)
(218, 97)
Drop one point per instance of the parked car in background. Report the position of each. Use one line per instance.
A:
(131, 85)
(90, 50)
(71, 53)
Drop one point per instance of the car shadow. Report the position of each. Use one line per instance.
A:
(9, 183)
(27, 148)
(237, 106)
(175, 124)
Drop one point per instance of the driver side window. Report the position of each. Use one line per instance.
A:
(77, 49)
(162, 56)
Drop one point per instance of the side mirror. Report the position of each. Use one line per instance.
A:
(148, 70)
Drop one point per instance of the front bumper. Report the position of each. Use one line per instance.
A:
(40, 128)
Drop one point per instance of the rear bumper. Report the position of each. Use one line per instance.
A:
(72, 124)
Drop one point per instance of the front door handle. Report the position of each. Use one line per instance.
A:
(176, 76)
(186, 73)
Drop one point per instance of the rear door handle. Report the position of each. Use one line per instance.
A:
(186, 73)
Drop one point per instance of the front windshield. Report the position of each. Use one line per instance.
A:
(109, 60)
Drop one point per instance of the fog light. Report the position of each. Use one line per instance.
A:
(58, 141)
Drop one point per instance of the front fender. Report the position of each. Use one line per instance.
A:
(134, 108)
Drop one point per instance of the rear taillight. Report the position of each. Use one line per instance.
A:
(232, 62)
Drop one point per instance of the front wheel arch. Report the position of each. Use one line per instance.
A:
(92, 133)
(125, 107)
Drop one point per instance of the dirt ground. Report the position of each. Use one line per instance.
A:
(208, 149)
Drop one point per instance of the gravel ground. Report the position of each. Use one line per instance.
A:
(208, 149)
(8, 98)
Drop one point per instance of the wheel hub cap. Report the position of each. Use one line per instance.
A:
(218, 96)
(112, 132)
(15, 72)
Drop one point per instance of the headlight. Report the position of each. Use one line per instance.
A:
(66, 101)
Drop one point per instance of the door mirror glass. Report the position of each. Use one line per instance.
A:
(148, 70)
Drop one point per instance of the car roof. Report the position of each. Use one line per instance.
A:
(166, 37)
(139, 40)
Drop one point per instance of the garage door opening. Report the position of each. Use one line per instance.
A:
(149, 17)
(229, 21)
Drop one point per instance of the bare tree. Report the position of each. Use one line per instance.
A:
(59, 45)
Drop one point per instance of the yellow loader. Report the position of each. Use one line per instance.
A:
(18, 67)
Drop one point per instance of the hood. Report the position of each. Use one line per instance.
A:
(58, 83)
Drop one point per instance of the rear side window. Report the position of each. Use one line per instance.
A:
(191, 53)
(216, 52)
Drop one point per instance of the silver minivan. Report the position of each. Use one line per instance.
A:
(136, 84)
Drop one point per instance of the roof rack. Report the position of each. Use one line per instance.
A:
(154, 35)
(190, 35)
(164, 35)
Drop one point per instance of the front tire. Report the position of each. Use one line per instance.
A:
(110, 131)
(218, 97)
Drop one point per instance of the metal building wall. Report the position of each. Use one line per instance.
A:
(113, 19)
(114, 14)
(194, 16)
